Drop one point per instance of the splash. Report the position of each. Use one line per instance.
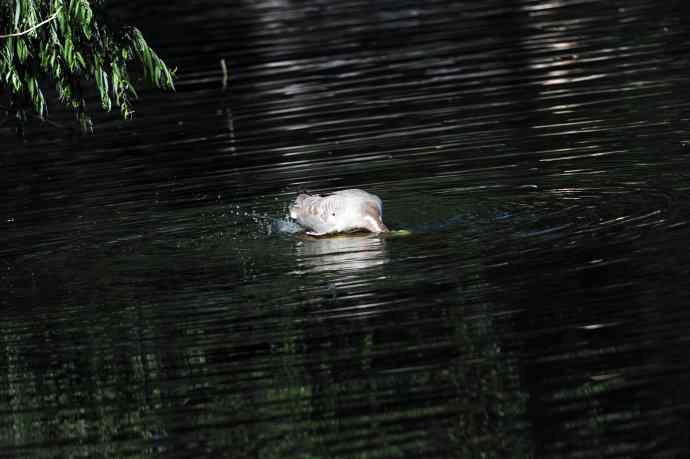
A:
(265, 224)
(284, 225)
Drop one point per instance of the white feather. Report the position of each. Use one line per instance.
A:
(344, 210)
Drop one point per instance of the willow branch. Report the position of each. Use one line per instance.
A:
(19, 34)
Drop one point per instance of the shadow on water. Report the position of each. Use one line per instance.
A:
(157, 301)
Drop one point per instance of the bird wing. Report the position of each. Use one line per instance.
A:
(313, 213)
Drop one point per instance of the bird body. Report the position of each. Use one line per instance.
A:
(345, 210)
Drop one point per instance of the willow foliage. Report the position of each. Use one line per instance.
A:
(62, 42)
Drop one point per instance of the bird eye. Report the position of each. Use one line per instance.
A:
(333, 214)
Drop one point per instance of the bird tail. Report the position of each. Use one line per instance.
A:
(294, 207)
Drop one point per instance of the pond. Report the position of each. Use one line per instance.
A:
(158, 303)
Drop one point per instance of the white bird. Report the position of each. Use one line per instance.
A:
(344, 210)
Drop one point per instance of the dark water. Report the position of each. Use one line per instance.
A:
(154, 303)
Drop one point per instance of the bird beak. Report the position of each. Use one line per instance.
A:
(374, 221)
(375, 225)
(382, 228)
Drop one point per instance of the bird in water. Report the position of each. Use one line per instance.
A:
(345, 210)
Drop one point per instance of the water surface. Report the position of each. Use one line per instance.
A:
(156, 302)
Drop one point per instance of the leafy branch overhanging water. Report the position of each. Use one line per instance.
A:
(68, 43)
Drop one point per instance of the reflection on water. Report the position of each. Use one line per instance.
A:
(341, 254)
(157, 303)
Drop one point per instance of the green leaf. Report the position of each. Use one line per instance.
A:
(72, 49)
(22, 50)
(16, 82)
(31, 86)
(17, 12)
(73, 8)
(105, 98)
(80, 59)
(68, 53)
(62, 21)
(40, 103)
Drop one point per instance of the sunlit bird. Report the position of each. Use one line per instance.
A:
(342, 211)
